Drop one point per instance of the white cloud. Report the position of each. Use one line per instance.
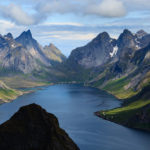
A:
(137, 4)
(62, 24)
(67, 35)
(16, 14)
(104, 8)
(20, 11)
(108, 8)
(5, 26)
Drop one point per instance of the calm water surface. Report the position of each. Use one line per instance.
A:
(74, 106)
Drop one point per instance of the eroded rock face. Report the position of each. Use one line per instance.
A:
(32, 128)
(95, 53)
(53, 53)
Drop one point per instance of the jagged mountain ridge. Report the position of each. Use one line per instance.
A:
(94, 53)
(132, 63)
(24, 54)
(53, 53)
(29, 43)
(103, 48)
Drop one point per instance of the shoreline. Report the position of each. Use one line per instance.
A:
(24, 93)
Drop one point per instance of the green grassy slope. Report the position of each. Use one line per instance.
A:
(7, 94)
(135, 113)
(117, 88)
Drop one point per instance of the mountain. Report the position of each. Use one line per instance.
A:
(14, 57)
(95, 53)
(128, 78)
(141, 33)
(25, 55)
(120, 67)
(103, 49)
(32, 128)
(33, 47)
(53, 53)
(24, 63)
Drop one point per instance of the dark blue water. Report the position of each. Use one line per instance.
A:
(74, 106)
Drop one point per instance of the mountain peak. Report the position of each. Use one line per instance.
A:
(141, 33)
(103, 34)
(27, 33)
(102, 37)
(25, 38)
(127, 32)
(33, 119)
(9, 36)
(52, 45)
(125, 35)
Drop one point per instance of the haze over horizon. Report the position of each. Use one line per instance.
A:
(70, 24)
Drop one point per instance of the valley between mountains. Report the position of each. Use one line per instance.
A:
(119, 66)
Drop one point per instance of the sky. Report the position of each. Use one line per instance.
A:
(72, 23)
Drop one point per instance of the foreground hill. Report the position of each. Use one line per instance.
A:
(32, 128)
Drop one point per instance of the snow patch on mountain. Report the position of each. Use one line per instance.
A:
(114, 52)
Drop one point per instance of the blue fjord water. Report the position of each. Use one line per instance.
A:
(74, 105)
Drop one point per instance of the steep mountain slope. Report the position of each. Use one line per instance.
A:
(32, 128)
(121, 67)
(33, 47)
(135, 113)
(24, 55)
(13, 57)
(53, 53)
(95, 53)
(128, 78)
(125, 76)
(7, 94)
(23, 58)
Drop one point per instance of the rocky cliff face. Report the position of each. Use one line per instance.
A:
(24, 54)
(32, 128)
(95, 53)
(14, 57)
(104, 49)
(53, 53)
(132, 61)
(33, 47)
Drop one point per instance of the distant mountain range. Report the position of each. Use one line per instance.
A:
(25, 54)
(119, 66)
(103, 48)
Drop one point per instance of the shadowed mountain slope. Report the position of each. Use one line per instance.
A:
(32, 128)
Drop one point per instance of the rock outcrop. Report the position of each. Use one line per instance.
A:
(32, 128)
(53, 53)
(95, 53)
(24, 54)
